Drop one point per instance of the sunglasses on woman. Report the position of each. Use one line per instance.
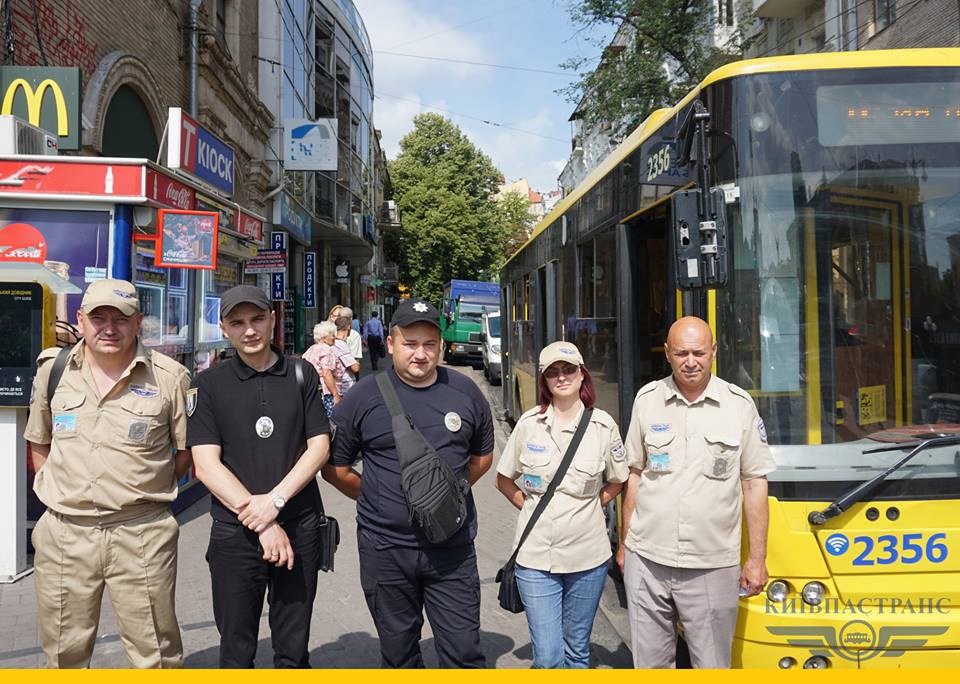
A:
(567, 370)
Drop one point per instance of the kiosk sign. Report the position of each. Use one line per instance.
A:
(197, 151)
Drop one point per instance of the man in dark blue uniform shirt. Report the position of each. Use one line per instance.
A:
(401, 572)
(258, 439)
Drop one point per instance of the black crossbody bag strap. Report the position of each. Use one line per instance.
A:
(59, 364)
(555, 482)
(390, 397)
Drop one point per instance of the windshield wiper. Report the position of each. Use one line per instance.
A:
(866, 489)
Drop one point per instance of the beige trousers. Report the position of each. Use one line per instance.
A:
(704, 601)
(137, 563)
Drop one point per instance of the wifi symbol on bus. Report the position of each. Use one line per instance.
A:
(837, 544)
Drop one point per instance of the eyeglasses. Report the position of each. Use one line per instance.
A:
(567, 370)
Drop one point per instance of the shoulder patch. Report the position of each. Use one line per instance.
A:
(191, 402)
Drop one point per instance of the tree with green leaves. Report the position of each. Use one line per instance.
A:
(443, 185)
(516, 220)
(661, 50)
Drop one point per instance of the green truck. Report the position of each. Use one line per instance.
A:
(463, 306)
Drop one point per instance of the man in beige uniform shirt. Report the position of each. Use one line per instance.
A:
(106, 470)
(696, 447)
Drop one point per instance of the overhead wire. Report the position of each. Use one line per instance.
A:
(425, 107)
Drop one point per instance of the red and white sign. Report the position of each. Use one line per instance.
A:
(250, 227)
(168, 191)
(88, 179)
(22, 243)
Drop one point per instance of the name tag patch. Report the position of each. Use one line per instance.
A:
(533, 484)
(660, 463)
(64, 422)
(534, 448)
(144, 390)
(660, 427)
(138, 431)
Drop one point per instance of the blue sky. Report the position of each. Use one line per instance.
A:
(535, 34)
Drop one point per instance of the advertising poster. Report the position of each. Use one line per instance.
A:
(74, 244)
(187, 239)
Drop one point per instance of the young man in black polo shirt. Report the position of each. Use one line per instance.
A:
(401, 572)
(258, 441)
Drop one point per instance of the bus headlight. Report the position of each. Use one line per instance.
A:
(495, 348)
(816, 663)
(777, 591)
(813, 594)
(786, 663)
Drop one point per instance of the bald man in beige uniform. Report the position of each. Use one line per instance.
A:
(697, 451)
(103, 450)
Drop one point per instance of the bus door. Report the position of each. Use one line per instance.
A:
(647, 303)
(861, 259)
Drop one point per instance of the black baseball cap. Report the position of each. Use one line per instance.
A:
(412, 311)
(243, 294)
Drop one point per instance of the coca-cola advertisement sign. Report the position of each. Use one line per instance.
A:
(22, 242)
(73, 244)
(250, 227)
(168, 191)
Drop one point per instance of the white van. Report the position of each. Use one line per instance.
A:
(490, 337)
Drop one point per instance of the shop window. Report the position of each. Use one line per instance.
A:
(163, 301)
(214, 284)
(885, 12)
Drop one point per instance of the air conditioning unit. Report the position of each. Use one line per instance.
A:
(19, 137)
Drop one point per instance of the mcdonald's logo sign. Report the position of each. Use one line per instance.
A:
(48, 97)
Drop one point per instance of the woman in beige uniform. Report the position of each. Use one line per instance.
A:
(562, 565)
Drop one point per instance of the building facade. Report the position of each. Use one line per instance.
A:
(786, 27)
(316, 63)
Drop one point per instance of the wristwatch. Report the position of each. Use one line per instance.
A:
(278, 501)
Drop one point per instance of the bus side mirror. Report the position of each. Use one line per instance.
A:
(699, 238)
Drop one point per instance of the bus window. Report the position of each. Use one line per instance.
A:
(585, 280)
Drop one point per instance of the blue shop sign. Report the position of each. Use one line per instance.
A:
(295, 220)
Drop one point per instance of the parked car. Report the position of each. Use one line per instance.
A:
(490, 337)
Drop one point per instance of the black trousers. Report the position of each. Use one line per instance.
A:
(398, 583)
(375, 347)
(240, 577)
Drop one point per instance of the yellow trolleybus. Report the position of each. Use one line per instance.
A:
(808, 207)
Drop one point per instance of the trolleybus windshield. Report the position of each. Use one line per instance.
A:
(842, 314)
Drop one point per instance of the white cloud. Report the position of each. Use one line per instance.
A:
(399, 26)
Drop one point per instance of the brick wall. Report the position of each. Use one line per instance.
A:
(919, 23)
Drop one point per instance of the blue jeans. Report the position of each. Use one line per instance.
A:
(560, 608)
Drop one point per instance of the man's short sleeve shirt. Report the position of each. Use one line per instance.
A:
(693, 456)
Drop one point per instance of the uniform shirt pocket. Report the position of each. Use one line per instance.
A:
(65, 410)
(722, 455)
(661, 453)
(585, 477)
(142, 420)
(535, 473)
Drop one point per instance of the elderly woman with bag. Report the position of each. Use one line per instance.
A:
(570, 462)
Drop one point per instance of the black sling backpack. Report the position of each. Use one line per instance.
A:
(436, 497)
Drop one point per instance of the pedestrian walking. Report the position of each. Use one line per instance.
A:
(373, 338)
(353, 338)
(698, 455)
(348, 370)
(322, 357)
(259, 435)
(403, 568)
(102, 439)
(562, 563)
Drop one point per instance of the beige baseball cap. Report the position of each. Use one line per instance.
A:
(119, 294)
(560, 351)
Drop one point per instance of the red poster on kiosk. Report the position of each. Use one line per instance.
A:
(187, 239)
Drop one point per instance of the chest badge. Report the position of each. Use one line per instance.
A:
(138, 431)
(452, 421)
(264, 426)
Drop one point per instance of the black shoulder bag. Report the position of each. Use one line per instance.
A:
(436, 497)
(509, 593)
(329, 527)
